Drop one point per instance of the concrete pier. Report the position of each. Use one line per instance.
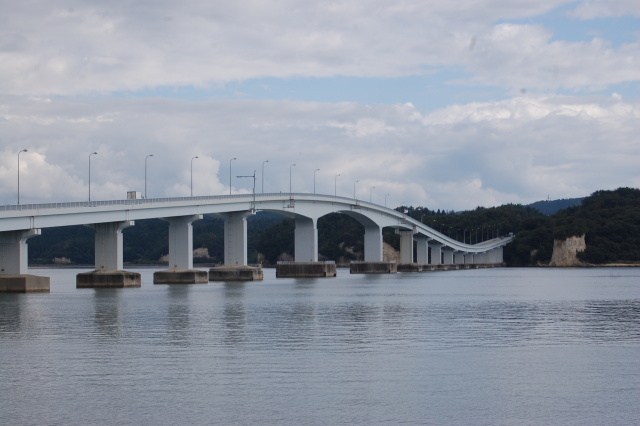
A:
(24, 283)
(409, 267)
(236, 273)
(374, 267)
(305, 269)
(108, 279)
(180, 276)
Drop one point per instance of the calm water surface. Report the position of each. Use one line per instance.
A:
(493, 346)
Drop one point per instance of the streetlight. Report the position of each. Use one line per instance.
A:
(354, 189)
(314, 180)
(19, 152)
(335, 185)
(234, 158)
(93, 153)
(385, 199)
(265, 161)
(193, 158)
(145, 174)
(422, 216)
(290, 167)
(253, 206)
(371, 193)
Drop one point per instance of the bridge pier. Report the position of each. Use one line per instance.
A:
(181, 254)
(422, 250)
(235, 251)
(108, 259)
(14, 264)
(306, 240)
(448, 256)
(373, 243)
(436, 253)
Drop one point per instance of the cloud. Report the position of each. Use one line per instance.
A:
(84, 47)
(517, 150)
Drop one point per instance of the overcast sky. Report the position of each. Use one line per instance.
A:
(442, 104)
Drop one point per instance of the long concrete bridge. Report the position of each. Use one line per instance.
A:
(18, 223)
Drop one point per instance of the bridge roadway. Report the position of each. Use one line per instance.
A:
(21, 222)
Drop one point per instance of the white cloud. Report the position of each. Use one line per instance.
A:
(84, 47)
(518, 150)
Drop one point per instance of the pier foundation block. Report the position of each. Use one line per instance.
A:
(236, 273)
(180, 276)
(108, 279)
(409, 267)
(374, 267)
(24, 283)
(305, 269)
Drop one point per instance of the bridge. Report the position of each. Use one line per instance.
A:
(20, 222)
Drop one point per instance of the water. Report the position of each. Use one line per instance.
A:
(493, 346)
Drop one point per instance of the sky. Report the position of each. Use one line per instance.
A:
(438, 104)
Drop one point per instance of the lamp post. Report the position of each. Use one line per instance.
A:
(93, 153)
(265, 161)
(314, 180)
(290, 167)
(371, 193)
(234, 158)
(19, 152)
(145, 174)
(385, 199)
(335, 185)
(354, 189)
(193, 158)
(253, 205)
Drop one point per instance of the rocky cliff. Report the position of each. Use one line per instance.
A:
(565, 252)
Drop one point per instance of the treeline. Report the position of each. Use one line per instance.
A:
(610, 221)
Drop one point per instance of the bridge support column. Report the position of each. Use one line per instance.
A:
(448, 257)
(108, 259)
(406, 247)
(469, 258)
(422, 250)
(458, 258)
(181, 241)
(373, 243)
(235, 251)
(495, 255)
(181, 254)
(436, 253)
(235, 239)
(306, 240)
(14, 265)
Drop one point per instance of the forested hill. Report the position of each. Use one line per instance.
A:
(609, 220)
(549, 207)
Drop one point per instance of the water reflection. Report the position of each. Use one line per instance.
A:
(234, 313)
(12, 307)
(178, 314)
(107, 317)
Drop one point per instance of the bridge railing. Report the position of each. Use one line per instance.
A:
(142, 201)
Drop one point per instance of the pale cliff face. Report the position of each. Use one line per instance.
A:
(565, 252)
